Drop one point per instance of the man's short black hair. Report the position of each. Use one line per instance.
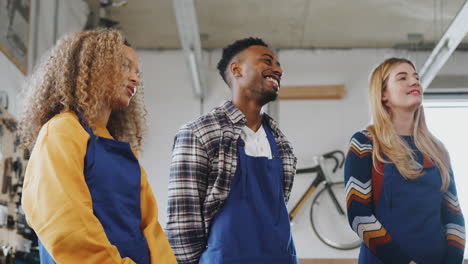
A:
(235, 48)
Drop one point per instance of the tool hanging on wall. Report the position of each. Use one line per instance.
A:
(10, 222)
(16, 236)
(18, 168)
(10, 124)
(26, 154)
(7, 175)
(16, 143)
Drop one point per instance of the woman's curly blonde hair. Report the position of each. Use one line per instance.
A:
(82, 73)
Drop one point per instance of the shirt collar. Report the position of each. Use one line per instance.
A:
(237, 117)
(234, 114)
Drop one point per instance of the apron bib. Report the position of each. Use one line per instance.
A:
(112, 173)
(410, 210)
(253, 226)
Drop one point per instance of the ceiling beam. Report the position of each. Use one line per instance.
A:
(94, 14)
(189, 35)
(447, 44)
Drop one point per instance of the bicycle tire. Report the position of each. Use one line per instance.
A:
(329, 235)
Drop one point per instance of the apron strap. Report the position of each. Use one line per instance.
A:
(243, 166)
(271, 140)
(84, 124)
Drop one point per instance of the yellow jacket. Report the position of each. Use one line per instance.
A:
(58, 205)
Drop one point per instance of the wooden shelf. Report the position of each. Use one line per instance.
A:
(312, 92)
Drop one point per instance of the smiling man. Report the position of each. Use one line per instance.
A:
(232, 171)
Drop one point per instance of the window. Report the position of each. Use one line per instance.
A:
(448, 121)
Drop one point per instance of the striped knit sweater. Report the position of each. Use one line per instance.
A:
(363, 189)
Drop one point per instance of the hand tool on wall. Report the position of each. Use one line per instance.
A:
(7, 175)
(18, 168)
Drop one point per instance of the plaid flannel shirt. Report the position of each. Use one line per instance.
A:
(204, 161)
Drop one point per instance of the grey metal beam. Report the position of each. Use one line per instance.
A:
(94, 14)
(187, 26)
(33, 32)
(447, 44)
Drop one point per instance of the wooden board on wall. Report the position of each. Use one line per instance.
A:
(312, 92)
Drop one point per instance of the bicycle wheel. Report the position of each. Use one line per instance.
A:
(329, 225)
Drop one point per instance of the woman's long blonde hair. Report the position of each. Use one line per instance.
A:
(386, 142)
(82, 73)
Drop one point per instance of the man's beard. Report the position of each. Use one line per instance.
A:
(267, 96)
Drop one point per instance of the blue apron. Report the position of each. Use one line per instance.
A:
(113, 176)
(253, 225)
(410, 210)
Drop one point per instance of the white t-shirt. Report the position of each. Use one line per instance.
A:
(256, 143)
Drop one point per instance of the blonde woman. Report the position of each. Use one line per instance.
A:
(84, 193)
(401, 195)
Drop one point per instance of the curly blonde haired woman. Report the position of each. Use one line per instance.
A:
(400, 191)
(84, 193)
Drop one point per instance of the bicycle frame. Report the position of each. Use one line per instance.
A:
(319, 180)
